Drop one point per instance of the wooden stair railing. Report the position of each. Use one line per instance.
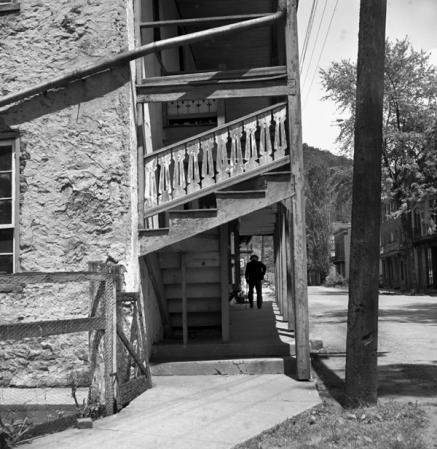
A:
(212, 160)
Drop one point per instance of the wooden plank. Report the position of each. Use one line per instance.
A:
(195, 305)
(193, 275)
(204, 259)
(197, 319)
(18, 331)
(194, 291)
(149, 268)
(297, 228)
(200, 20)
(274, 88)
(132, 389)
(284, 247)
(184, 299)
(140, 160)
(130, 349)
(183, 79)
(127, 297)
(110, 344)
(57, 277)
(289, 263)
(224, 280)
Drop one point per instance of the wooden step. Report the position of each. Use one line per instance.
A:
(195, 305)
(241, 194)
(193, 291)
(192, 214)
(205, 275)
(278, 176)
(159, 232)
(192, 260)
(198, 319)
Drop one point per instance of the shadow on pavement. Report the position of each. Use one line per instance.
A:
(417, 380)
(399, 381)
(423, 313)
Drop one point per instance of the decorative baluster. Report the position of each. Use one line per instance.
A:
(150, 194)
(222, 164)
(164, 178)
(280, 135)
(207, 163)
(179, 173)
(193, 168)
(265, 142)
(251, 153)
(236, 161)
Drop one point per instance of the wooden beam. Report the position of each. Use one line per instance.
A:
(131, 349)
(284, 247)
(58, 277)
(184, 298)
(265, 81)
(153, 270)
(200, 20)
(18, 331)
(224, 280)
(290, 264)
(297, 228)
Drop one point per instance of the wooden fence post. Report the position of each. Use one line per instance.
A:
(110, 346)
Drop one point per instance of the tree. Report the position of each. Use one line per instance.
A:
(328, 181)
(409, 153)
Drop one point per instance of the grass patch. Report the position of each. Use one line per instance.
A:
(390, 425)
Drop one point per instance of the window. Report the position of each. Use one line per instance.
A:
(9, 6)
(7, 206)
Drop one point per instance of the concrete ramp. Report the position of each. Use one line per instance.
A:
(194, 412)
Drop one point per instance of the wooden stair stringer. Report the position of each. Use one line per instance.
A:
(230, 206)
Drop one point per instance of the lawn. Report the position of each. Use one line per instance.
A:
(390, 425)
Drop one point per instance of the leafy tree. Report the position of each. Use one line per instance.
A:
(409, 160)
(328, 198)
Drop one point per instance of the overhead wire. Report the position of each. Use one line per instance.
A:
(308, 33)
(321, 53)
(315, 43)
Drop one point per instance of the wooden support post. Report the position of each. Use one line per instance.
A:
(284, 247)
(277, 271)
(297, 228)
(184, 298)
(280, 270)
(140, 163)
(224, 280)
(110, 344)
(290, 268)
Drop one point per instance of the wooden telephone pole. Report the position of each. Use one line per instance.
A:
(362, 329)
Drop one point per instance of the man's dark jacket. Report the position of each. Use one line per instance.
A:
(255, 270)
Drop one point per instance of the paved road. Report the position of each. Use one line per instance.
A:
(407, 344)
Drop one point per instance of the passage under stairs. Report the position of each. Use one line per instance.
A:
(259, 342)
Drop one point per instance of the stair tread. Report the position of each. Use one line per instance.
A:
(241, 193)
(159, 231)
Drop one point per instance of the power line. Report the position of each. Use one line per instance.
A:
(321, 52)
(315, 43)
(308, 32)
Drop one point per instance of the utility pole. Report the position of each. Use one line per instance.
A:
(362, 326)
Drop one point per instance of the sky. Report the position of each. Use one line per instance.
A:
(416, 19)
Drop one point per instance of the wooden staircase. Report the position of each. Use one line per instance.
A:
(231, 204)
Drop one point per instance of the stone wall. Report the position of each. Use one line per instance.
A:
(77, 184)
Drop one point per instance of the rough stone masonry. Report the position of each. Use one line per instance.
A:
(75, 176)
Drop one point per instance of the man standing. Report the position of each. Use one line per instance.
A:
(255, 271)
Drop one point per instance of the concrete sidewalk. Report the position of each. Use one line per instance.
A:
(190, 412)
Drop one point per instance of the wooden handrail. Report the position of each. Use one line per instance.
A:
(207, 162)
(217, 129)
